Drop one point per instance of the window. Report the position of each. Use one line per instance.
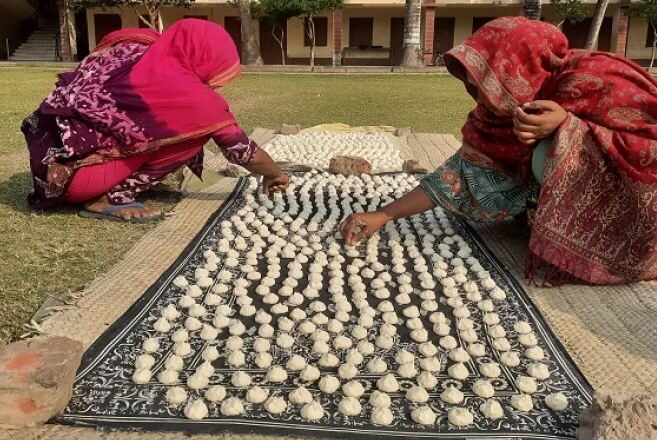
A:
(650, 35)
(321, 32)
(361, 32)
(478, 22)
(106, 23)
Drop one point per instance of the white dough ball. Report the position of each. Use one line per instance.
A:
(388, 384)
(522, 402)
(483, 389)
(176, 395)
(196, 410)
(216, 393)
(556, 401)
(349, 406)
(312, 411)
(460, 417)
(257, 395)
(232, 407)
(423, 415)
(329, 384)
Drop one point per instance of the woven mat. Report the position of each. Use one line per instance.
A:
(609, 331)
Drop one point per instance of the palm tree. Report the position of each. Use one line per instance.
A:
(250, 46)
(596, 24)
(412, 53)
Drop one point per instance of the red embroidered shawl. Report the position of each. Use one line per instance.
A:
(597, 215)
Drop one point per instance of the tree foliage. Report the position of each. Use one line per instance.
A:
(154, 18)
(572, 11)
(279, 11)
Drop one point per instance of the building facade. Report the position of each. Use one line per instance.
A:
(368, 32)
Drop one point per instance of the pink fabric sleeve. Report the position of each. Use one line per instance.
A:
(235, 144)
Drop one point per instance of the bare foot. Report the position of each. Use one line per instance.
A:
(102, 203)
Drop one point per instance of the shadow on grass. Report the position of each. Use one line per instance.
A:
(14, 191)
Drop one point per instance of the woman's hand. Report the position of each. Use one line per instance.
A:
(275, 184)
(362, 225)
(537, 120)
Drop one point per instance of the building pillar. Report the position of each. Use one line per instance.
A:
(621, 34)
(65, 51)
(337, 37)
(429, 29)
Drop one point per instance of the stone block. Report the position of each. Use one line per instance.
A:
(349, 165)
(36, 379)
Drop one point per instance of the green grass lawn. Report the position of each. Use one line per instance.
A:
(51, 254)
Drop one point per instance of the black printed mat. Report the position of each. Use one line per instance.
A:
(105, 395)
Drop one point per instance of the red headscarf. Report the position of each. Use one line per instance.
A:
(597, 215)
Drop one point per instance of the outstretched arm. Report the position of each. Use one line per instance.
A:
(273, 178)
(239, 149)
(362, 225)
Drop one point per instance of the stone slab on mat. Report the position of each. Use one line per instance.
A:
(620, 417)
(347, 165)
(36, 379)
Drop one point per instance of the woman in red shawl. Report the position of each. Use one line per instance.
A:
(582, 125)
(137, 109)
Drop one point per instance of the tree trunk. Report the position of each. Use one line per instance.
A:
(250, 46)
(311, 36)
(412, 52)
(596, 24)
(280, 40)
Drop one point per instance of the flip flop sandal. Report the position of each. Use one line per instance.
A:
(108, 214)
